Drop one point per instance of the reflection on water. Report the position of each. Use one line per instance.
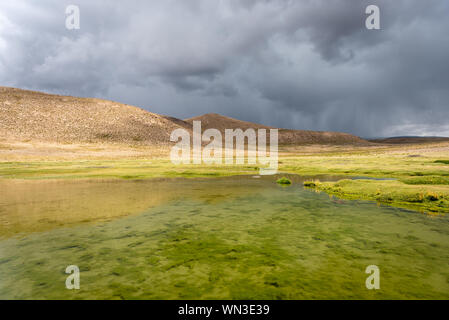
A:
(240, 238)
(29, 206)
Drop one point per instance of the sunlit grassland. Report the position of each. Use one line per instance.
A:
(421, 172)
(420, 176)
(426, 198)
(115, 169)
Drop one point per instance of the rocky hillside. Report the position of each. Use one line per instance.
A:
(286, 136)
(410, 140)
(35, 116)
(217, 121)
(28, 115)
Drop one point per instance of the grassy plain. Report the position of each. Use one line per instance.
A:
(412, 176)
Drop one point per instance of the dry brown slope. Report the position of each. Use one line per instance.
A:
(35, 116)
(286, 136)
(29, 115)
(219, 122)
(410, 140)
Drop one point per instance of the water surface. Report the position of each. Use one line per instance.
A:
(226, 238)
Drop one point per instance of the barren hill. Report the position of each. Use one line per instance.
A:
(35, 116)
(410, 140)
(30, 115)
(219, 122)
(286, 136)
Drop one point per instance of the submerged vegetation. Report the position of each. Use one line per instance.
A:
(226, 238)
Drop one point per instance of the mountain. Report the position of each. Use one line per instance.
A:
(35, 116)
(30, 115)
(286, 136)
(219, 122)
(409, 140)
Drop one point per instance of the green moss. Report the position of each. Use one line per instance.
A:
(284, 181)
(310, 184)
(442, 161)
(433, 199)
(436, 180)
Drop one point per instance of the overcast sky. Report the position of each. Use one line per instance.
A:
(303, 64)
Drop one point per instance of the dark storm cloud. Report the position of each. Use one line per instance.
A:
(307, 64)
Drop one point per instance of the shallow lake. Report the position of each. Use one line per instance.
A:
(226, 238)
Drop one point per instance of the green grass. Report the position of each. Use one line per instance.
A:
(415, 175)
(115, 169)
(435, 180)
(428, 199)
(310, 184)
(284, 181)
(418, 178)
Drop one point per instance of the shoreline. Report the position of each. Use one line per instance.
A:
(420, 171)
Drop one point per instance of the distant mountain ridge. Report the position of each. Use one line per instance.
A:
(286, 136)
(409, 139)
(31, 115)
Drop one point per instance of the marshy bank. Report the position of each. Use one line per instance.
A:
(429, 199)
